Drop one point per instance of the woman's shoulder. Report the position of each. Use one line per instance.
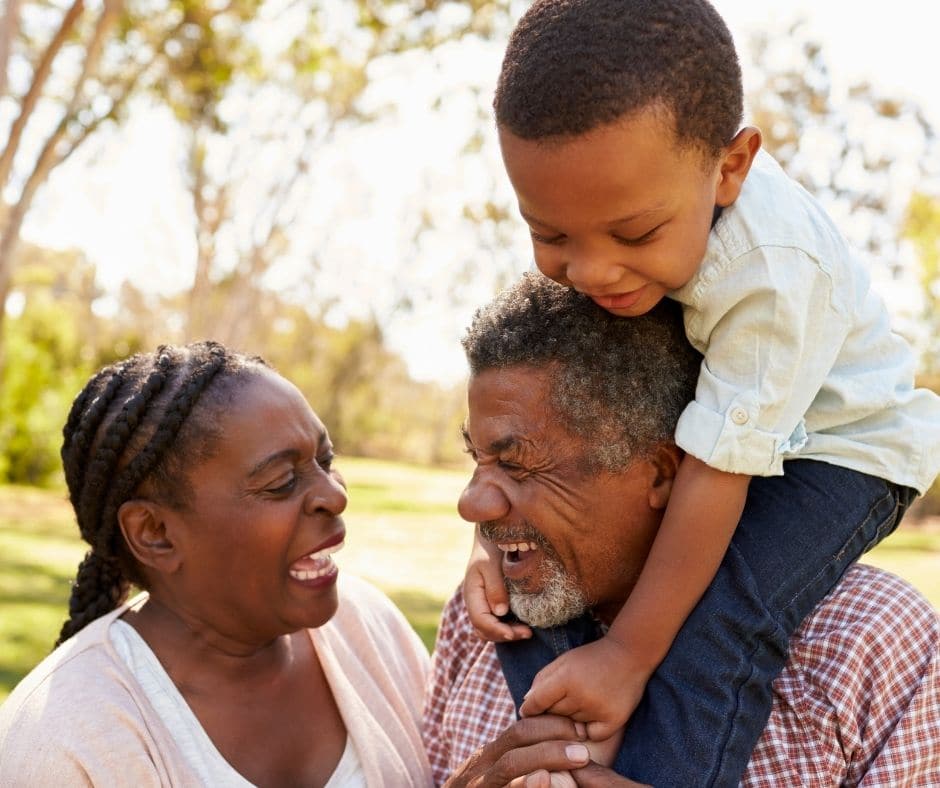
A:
(72, 701)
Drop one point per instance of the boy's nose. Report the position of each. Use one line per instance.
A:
(592, 271)
(482, 500)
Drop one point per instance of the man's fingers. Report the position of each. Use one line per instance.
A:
(550, 756)
(596, 776)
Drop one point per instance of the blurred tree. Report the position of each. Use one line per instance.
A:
(82, 66)
(922, 229)
(254, 170)
(857, 150)
(48, 340)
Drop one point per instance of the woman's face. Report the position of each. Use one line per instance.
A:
(255, 543)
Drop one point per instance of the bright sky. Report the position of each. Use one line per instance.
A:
(123, 201)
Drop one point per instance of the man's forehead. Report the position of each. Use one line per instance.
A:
(508, 404)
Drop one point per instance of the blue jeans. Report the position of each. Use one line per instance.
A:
(706, 705)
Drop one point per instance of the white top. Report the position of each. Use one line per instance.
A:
(81, 716)
(800, 359)
(194, 743)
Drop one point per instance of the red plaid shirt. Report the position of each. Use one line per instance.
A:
(858, 702)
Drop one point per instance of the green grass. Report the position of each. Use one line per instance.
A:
(403, 534)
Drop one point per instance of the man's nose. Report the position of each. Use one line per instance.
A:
(482, 499)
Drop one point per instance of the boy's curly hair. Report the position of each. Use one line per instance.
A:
(574, 65)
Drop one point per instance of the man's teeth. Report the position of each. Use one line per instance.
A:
(520, 547)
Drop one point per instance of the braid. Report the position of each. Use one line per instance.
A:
(148, 457)
(99, 587)
(81, 427)
(124, 428)
(116, 438)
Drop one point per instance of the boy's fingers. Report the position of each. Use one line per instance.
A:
(544, 693)
(599, 731)
(489, 627)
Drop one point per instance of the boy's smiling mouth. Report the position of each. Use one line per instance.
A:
(620, 301)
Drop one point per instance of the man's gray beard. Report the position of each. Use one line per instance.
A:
(559, 601)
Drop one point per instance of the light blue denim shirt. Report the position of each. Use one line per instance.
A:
(800, 359)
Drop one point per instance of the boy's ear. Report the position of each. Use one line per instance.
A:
(143, 524)
(735, 163)
(665, 461)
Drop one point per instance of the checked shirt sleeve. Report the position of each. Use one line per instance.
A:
(858, 703)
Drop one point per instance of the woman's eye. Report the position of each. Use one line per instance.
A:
(283, 488)
(326, 462)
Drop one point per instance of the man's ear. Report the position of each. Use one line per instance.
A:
(665, 460)
(735, 163)
(143, 524)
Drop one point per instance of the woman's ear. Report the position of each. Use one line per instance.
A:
(665, 461)
(143, 524)
(735, 163)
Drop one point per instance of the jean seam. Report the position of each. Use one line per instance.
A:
(741, 683)
(890, 495)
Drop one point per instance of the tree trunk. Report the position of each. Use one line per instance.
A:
(9, 27)
(40, 75)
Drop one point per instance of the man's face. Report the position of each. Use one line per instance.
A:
(534, 494)
(621, 213)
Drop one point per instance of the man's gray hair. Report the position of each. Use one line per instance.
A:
(619, 382)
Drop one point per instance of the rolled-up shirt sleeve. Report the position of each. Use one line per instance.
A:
(770, 324)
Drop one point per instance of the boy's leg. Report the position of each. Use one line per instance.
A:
(707, 703)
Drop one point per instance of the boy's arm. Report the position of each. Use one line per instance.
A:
(485, 595)
(603, 681)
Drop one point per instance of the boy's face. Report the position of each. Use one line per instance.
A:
(620, 213)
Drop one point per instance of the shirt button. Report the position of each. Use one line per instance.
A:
(739, 416)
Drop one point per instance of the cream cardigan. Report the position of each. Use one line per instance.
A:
(80, 718)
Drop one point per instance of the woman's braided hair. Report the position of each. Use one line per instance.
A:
(137, 421)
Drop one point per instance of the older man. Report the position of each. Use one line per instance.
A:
(571, 414)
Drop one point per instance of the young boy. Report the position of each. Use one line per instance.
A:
(619, 123)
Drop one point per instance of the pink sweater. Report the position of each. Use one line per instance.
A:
(80, 718)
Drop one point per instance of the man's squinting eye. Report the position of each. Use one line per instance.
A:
(326, 461)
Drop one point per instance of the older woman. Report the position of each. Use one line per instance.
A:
(205, 478)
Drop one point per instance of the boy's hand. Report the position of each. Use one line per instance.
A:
(485, 595)
(596, 684)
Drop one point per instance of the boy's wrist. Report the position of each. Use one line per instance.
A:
(639, 662)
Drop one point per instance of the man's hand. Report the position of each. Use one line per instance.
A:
(532, 753)
(596, 684)
(596, 776)
(485, 596)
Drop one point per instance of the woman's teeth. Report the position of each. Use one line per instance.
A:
(316, 564)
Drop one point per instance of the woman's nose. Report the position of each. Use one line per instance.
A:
(327, 494)
(482, 499)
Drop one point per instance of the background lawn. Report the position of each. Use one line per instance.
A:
(403, 534)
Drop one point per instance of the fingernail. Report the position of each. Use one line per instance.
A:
(581, 729)
(501, 609)
(576, 752)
